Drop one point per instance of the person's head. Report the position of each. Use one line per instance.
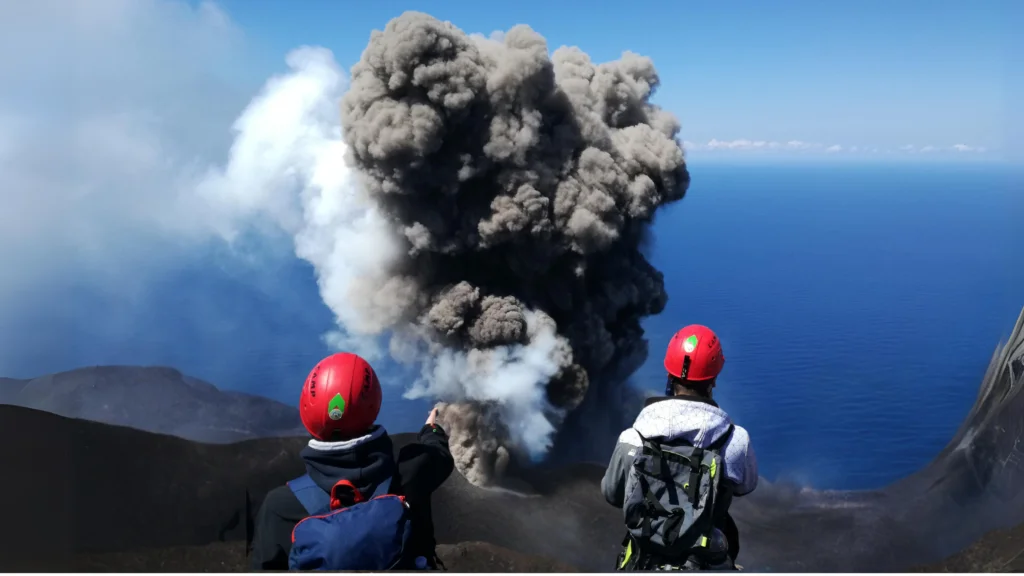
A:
(340, 398)
(693, 361)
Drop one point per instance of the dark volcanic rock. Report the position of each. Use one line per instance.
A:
(484, 557)
(215, 557)
(75, 486)
(85, 496)
(997, 551)
(230, 557)
(71, 487)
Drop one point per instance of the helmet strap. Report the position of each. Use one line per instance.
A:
(670, 385)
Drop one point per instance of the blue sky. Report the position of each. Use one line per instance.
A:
(140, 129)
(122, 109)
(902, 76)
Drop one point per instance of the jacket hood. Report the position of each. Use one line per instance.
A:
(365, 461)
(698, 421)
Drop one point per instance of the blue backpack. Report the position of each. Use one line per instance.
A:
(366, 535)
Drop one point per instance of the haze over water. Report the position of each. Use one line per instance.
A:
(858, 305)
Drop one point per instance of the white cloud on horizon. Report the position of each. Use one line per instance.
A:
(747, 145)
(966, 148)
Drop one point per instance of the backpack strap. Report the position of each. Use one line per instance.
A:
(316, 501)
(698, 457)
(312, 497)
(382, 488)
(694, 461)
(672, 517)
(660, 455)
(708, 522)
(717, 444)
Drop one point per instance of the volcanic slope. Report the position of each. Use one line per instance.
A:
(73, 489)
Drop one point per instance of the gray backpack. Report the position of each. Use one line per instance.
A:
(673, 496)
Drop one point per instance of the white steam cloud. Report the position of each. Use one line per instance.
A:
(287, 168)
(512, 377)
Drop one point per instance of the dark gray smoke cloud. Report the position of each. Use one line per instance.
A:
(521, 185)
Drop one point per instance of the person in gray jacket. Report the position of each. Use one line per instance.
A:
(687, 416)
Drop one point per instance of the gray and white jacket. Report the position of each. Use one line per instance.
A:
(698, 421)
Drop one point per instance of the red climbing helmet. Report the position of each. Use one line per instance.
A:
(694, 354)
(340, 398)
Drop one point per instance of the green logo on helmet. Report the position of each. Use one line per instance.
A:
(336, 407)
(690, 344)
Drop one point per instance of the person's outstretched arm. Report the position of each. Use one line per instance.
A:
(613, 485)
(425, 464)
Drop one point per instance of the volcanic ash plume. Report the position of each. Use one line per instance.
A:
(521, 185)
(488, 219)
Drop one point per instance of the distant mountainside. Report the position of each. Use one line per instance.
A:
(154, 399)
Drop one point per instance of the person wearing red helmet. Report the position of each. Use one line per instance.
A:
(350, 459)
(682, 440)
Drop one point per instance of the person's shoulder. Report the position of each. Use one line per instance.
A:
(630, 436)
(740, 432)
(280, 495)
(740, 438)
(281, 502)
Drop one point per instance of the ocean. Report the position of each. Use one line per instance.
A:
(858, 306)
